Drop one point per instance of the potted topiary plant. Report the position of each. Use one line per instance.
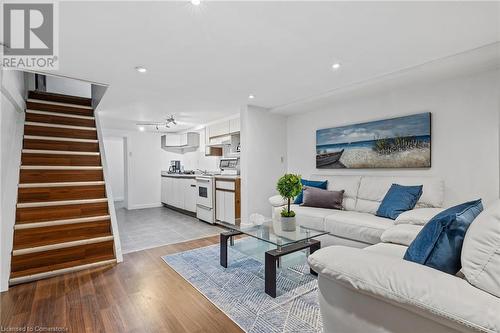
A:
(288, 186)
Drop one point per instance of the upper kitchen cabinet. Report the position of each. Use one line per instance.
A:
(180, 142)
(223, 128)
(234, 125)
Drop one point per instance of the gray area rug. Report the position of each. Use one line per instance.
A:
(239, 289)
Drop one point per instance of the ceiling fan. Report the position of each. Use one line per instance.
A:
(166, 123)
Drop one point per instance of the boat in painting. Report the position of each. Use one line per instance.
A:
(323, 160)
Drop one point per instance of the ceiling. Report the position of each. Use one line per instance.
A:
(204, 61)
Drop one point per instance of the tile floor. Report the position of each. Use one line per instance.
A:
(152, 227)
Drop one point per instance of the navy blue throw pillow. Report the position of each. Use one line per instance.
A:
(322, 184)
(439, 243)
(398, 200)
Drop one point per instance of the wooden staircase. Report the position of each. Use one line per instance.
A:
(62, 217)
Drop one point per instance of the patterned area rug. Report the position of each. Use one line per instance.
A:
(239, 289)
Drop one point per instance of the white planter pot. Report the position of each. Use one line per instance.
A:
(288, 223)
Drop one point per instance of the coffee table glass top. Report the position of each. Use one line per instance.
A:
(269, 230)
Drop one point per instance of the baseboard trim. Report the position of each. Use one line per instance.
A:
(180, 210)
(153, 205)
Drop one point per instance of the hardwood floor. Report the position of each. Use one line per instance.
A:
(142, 294)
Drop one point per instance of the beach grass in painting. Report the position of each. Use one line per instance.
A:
(403, 142)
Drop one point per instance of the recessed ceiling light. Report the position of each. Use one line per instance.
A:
(251, 96)
(336, 66)
(195, 2)
(141, 128)
(141, 69)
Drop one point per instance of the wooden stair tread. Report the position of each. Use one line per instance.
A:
(59, 132)
(60, 119)
(28, 238)
(60, 145)
(54, 97)
(42, 214)
(77, 255)
(51, 176)
(108, 254)
(40, 194)
(60, 159)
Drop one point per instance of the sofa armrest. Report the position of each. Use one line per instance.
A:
(277, 201)
(428, 292)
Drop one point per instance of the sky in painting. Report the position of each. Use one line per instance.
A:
(414, 125)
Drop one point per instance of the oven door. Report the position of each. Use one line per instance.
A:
(205, 192)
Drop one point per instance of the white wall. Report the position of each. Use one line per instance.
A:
(12, 126)
(66, 86)
(263, 157)
(143, 169)
(465, 131)
(116, 164)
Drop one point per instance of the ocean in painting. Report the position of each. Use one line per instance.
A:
(403, 142)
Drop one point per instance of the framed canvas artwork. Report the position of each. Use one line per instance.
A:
(402, 142)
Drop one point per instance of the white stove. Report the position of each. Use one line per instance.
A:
(205, 207)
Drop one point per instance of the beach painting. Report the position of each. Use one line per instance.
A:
(402, 142)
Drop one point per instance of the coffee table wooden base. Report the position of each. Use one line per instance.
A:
(272, 257)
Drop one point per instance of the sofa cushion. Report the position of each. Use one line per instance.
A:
(417, 216)
(310, 217)
(391, 250)
(403, 234)
(481, 251)
(422, 290)
(322, 184)
(439, 243)
(350, 185)
(373, 189)
(316, 197)
(399, 199)
(357, 226)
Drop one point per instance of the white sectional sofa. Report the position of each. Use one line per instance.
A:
(375, 290)
(357, 225)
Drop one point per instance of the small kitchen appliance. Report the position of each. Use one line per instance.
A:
(230, 166)
(175, 166)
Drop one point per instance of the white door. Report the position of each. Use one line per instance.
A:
(190, 194)
(229, 214)
(219, 205)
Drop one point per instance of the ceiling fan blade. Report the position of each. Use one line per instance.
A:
(151, 124)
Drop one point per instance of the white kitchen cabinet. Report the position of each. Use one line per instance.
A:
(190, 194)
(229, 207)
(234, 125)
(225, 209)
(220, 202)
(164, 191)
(180, 142)
(179, 192)
(167, 186)
(227, 202)
(218, 129)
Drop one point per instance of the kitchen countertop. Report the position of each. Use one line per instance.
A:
(177, 175)
(227, 177)
(181, 175)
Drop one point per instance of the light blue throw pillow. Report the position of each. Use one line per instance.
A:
(322, 184)
(439, 243)
(398, 200)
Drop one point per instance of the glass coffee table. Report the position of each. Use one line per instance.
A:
(269, 230)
